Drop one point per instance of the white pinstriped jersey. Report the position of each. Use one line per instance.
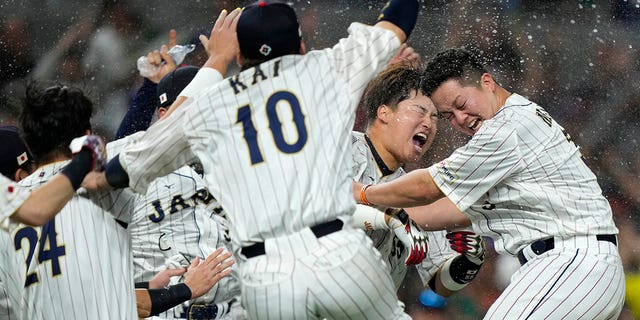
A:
(274, 139)
(80, 262)
(11, 198)
(366, 170)
(12, 273)
(177, 217)
(521, 178)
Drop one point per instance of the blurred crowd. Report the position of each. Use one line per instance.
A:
(577, 59)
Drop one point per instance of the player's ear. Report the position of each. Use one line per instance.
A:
(239, 59)
(20, 174)
(486, 81)
(161, 112)
(303, 47)
(384, 112)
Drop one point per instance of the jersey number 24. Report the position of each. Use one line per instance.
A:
(49, 249)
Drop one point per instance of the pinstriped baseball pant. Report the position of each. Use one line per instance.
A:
(581, 278)
(338, 276)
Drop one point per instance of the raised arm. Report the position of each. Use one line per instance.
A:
(46, 201)
(400, 17)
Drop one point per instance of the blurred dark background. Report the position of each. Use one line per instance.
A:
(577, 59)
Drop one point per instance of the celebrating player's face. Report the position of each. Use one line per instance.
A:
(412, 128)
(466, 107)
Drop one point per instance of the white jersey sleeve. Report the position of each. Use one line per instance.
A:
(163, 147)
(495, 148)
(346, 56)
(12, 197)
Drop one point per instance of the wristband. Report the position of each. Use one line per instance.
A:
(142, 285)
(402, 13)
(368, 218)
(78, 168)
(363, 197)
(165, 299)
(115, 174)
(205, 78)
(457, 272)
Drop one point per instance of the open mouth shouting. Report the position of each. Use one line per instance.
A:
(419, 140)
(475, 124)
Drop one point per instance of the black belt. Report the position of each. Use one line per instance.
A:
(208, 311)
(541, 246)
(320, 230)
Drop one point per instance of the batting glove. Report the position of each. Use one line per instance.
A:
(410, 235)
(93, 144)
(469, 244)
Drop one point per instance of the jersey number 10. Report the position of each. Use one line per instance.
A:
(275, 125)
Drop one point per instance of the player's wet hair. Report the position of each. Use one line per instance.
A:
(53, 116)
(457, 63)
(393, 85)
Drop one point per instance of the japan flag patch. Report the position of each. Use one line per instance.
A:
(22, 158)
(163, 98)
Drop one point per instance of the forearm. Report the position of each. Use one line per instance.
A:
(139, 114)
(143, 303)
(44, 202)
(455, 274)
(413, 189)
(440, 215)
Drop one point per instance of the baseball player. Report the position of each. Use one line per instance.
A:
(39, 206)
(79, 263)
(177, 219)
(522, 181)
(19, 205)
(401, 126)
(273, 141)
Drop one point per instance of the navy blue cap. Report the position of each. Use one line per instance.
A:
(173, 83)
(268, 29)
(13, 151)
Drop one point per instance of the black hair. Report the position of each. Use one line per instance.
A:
(458, 63)
(392, 86)
(53, 116)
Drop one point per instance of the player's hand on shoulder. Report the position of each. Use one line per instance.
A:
(93, 144)
(413, 238)
(201, 276)
(469, 244)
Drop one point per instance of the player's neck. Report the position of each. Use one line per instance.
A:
(54, 156)
(389, 160)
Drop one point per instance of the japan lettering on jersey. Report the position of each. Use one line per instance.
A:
(176, 221)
